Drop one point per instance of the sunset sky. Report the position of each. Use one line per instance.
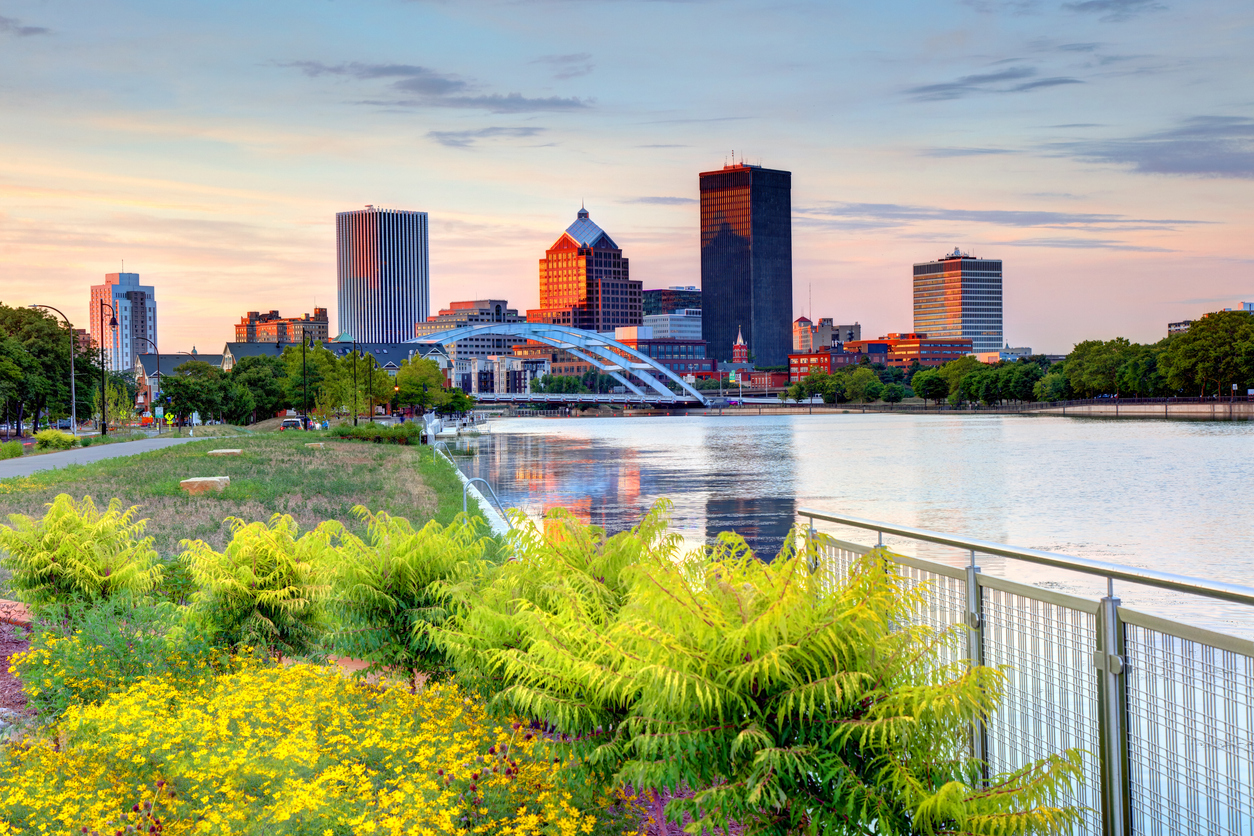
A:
(1104, 149)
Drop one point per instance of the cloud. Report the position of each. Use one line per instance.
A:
(892, 215)
(965, 152)
(1113, 11)
(1205, 146)
(994, 82)
(1081, 244)
(467, 139)
(13, 26)
(662, 201)
(568, 66)
(424, 87)
(662, 145)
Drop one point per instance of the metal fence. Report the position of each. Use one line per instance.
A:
(1162, 712)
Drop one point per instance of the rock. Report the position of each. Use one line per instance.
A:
(205, 484)
(226, 451)
(315, 444)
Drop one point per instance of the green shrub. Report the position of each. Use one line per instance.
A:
(86, 440)
(77, 551)
(389, 590)
(99, 649)
(407, 433)
(786, 703)
(262, 589)
(10, 450)
(54, 440)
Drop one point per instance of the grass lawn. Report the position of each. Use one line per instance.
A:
(277, 473)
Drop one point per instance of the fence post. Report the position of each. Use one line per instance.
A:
(1112, 712)
(975, 652)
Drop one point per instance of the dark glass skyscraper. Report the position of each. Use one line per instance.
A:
(746, 261)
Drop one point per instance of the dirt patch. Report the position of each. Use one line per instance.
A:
(12, 640)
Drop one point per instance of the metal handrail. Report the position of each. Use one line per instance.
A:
(435, 446)
(466, 490)
(1111, 571)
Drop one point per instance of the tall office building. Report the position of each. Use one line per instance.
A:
(959, 297)
(383, 273)
(584, 281)
(746, 261)
(135, 308)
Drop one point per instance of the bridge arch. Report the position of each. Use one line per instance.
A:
(606, 355)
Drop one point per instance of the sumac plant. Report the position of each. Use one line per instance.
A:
(263, 590)
(390, 589)
(76, 551)
(763, 696)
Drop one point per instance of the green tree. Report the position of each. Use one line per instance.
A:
(1052, 387)
(1216, 352)
(1023, 377)
(558, 384)
(863, 385)
(263, 377)
(894, 393)
(929, 385)
(955, 370)
(422, 384)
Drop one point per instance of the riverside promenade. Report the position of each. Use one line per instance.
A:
(26, 465)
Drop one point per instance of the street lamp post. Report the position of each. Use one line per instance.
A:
(73, 345)
(152, 399)
(304, 377)
(370, 382)
(104, 389)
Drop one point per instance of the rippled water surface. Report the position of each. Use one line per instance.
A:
(1173, 496)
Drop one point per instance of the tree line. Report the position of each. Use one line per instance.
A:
(35, 352)
(317, 382)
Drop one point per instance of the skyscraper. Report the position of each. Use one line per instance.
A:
(959, 296)
(135, 307)
(383, 273)
(746, 261)
(584, 281)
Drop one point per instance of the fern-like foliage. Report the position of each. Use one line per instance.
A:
(77, 551)
(788, 703)
(263, 590)
(390, 590)
(531, 632)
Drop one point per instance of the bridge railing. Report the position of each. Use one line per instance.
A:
(1162, 711)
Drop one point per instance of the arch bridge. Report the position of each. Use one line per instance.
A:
(605, 355)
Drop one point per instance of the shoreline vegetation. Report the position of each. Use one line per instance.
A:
(573, 684)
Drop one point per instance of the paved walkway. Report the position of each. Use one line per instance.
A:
(26, 465)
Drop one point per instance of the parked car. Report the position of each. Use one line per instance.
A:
(290, 424)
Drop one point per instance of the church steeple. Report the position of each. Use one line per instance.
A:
(740, 349)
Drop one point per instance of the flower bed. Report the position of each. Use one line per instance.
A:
(295, 750)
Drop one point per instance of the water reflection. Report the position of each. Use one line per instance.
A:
(1172, 496)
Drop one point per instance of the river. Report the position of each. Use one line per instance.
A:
(1175, 496)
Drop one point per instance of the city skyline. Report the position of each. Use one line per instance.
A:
(1103, 148)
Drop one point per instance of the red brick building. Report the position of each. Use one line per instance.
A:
(803, 365)
(900, 350)
(269, 327)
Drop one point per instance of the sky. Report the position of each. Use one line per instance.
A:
(1104, 149)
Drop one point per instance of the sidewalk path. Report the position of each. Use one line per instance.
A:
(26, 465)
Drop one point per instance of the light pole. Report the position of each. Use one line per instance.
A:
(73, 346)
(354, 339)
(104, 389)
(370, 382)
(304, 377)
(152, 399)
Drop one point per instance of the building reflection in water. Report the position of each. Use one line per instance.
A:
(719, 478)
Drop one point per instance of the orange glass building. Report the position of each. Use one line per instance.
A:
(585, 281)
(959, 297)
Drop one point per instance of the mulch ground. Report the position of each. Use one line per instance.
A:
(12, 640)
